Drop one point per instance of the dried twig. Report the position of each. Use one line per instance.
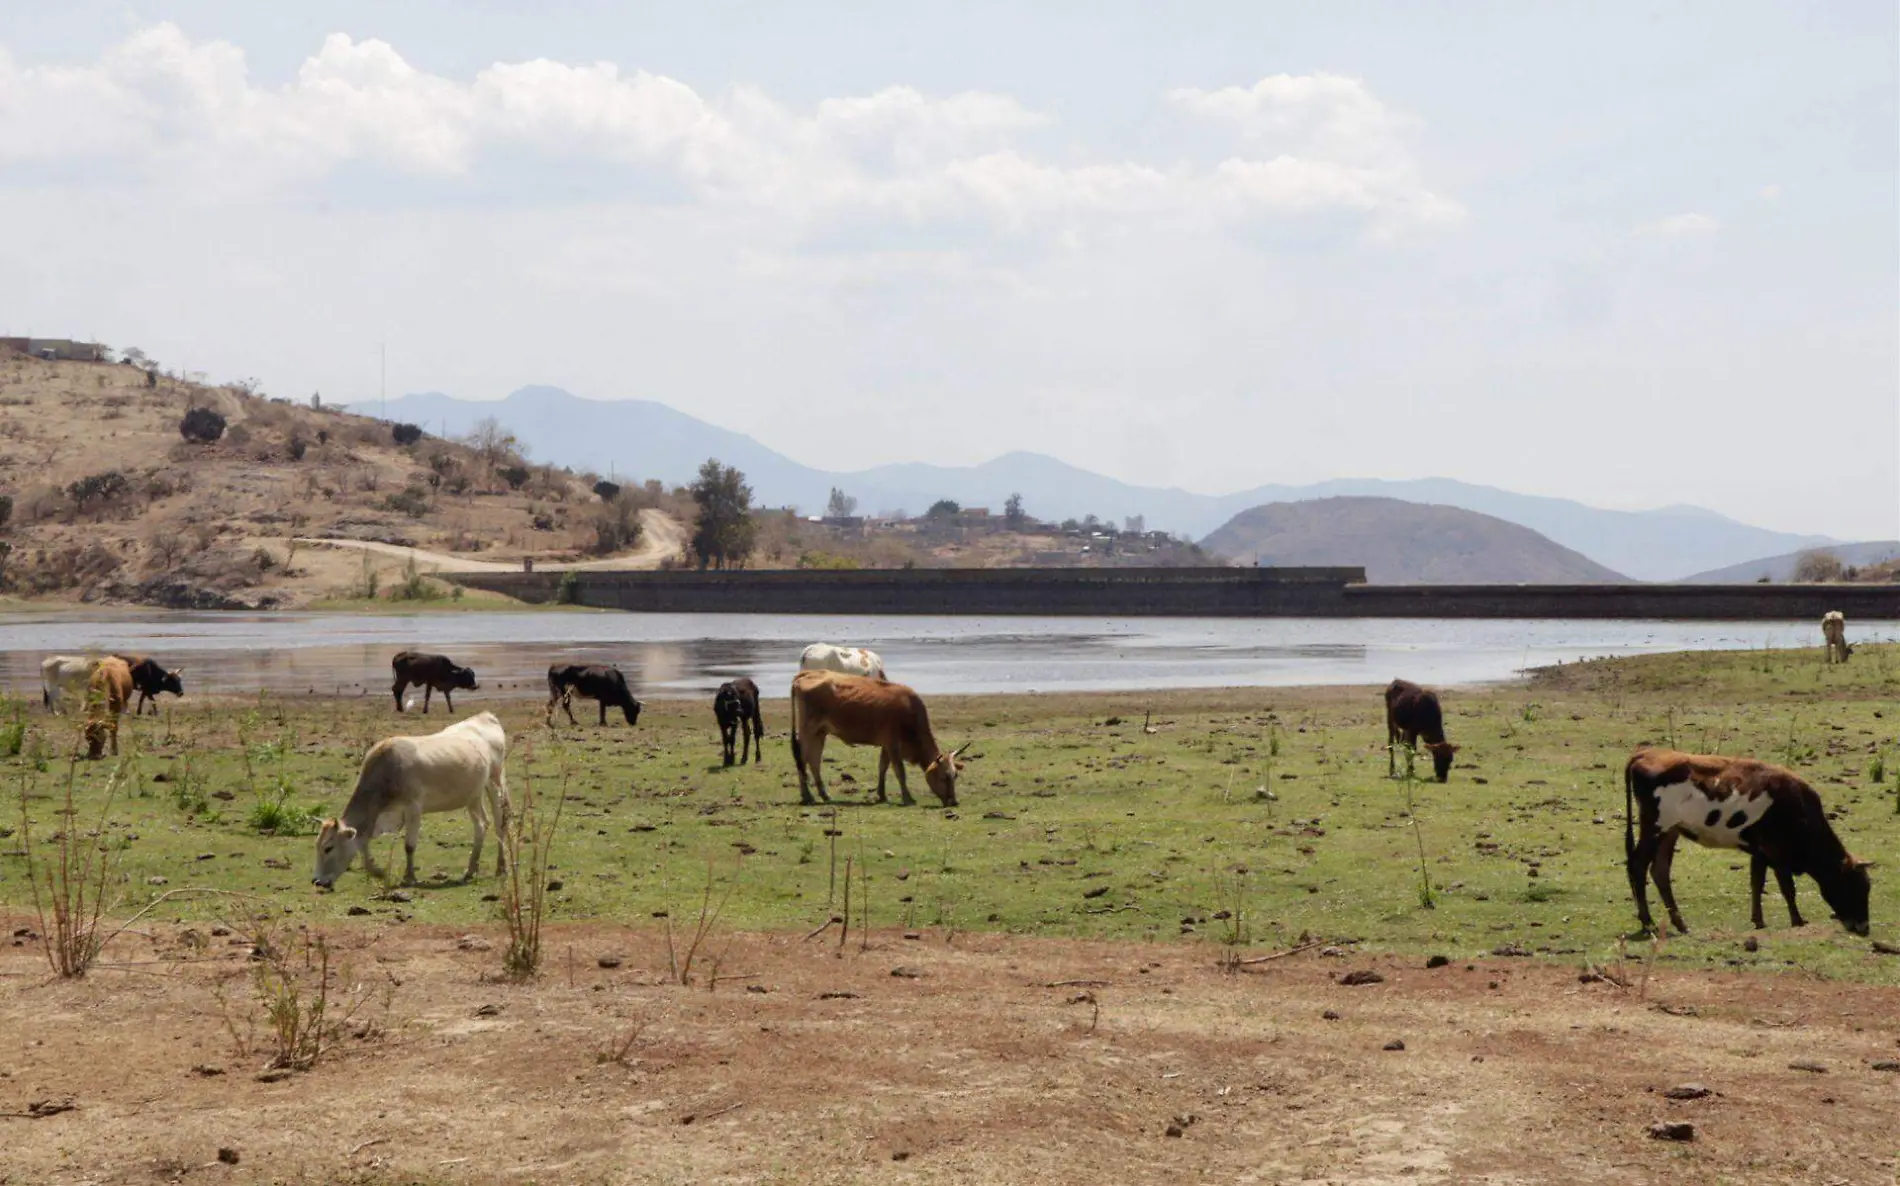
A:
(1280, 955)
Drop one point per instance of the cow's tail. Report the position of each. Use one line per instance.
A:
(798, 751)
(1629, 823)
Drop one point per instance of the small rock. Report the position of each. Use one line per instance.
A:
(473, 943)
(837, 995)
(1812, 1068)
(1751, 944)
(220, 932)
(1672, 1130)
(906, 973)
(1362, 976)
(759, 988)
(228, 1155)
(155, 880)
(556, 885)
(1332, 952)
(206, 1070)
(1438, 961)
(1175, 1130)
(1687, 1091)
(1888, 1064)
(357, 910)
(608, 961)
(1885, 948)
(901, 1155)
(1329, 1015)
(1395, 1044)
(489, 1010)
(913, 934)
(274, 1075)
(399, 896)
(1517, 949)
(1097, 892)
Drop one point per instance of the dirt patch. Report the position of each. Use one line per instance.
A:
(1000, 1060)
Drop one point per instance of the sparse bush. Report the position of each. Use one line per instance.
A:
(413, 501)
(69, 884)
(6, 509)
(414, 586)
(1816, 567)
(96, 489)
(515, 475)
(405, 434)
(607, 491)
(617, 525)
(568, 592)
(527, 839)
(263, 559)
(201, 426)
(298, 987)
(297, 448)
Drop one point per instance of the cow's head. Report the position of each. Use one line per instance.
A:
(631, 708)
(337, 843)
(941, 775)
(97, 733)
(462, 677)
(1441, 758)
(173, 681)
(1847, 891)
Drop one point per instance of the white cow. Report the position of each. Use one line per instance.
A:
(60, 674)
(1834, 630)
(823, 656)
(404, 778)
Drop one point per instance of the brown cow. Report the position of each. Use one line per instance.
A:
(107, 694)
(859, 710)
(435, 673)
(1412, 712)
(1739, 803)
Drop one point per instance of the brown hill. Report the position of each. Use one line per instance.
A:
(1402, 543)
(111, 503)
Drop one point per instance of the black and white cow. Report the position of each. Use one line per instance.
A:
(1762, 810)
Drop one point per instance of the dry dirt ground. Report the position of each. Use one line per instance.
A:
(986, 1059)
(662, 537)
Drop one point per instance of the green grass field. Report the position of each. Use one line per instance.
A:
(1248, 817)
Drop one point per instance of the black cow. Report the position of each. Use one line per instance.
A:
(432, 673)
(149, 679)
(736, 707)
(1411, 713)
(603, 684)
(1765, 811)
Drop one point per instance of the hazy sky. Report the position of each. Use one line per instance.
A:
(1634, 254)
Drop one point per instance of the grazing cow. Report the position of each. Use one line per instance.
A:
(1411, 713)
(736, 707)
(431, 673)
(1834, 630)
(150, 679)
(107, 693)
(859, 710)
(404, 778)
(1739, 803)
(63, 674)
(823, 656)
(603, 684)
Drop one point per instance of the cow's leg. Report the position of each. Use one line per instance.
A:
(397, 690)
(567, 705)
(1757, 877)
(1784, 877)
(428, 690)
(903, 787)
(603, 713)
(364, 846)
(1659, 869)
(448, 698)
(1639, 859)
(498, 790)
(1391, 750)
(815, 758)
(411, 836)
(883, 769)
(478, 819)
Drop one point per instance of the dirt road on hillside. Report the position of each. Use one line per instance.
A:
(661, 536)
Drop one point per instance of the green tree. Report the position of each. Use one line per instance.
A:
(840, 505)
(943, 508)
(725, 533)
(1013, 516)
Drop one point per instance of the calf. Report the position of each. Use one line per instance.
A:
(1765, 811)
(823, 656)
(604, 685)
(1411, 713)
(107, 693)
(736, 708)
(1834, 630)
(61, 675)
(859, 710)
(432, 673)
(404, 778)
(150, 679)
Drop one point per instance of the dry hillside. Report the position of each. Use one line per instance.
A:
(111, 503)
(1402, 543)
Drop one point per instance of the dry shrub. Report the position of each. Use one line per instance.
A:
(298, 987)
(527, 840)
(69, 884)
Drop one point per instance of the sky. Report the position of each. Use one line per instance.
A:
(1628, 253)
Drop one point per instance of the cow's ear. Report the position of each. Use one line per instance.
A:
(1852, 863)
(347, 832)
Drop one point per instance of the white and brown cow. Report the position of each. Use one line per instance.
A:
(64, 675)
(824, 656)
(1834, 630)
(859, 710)
(1762, 810)
(404, 778)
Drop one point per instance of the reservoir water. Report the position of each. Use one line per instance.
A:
(689, 654)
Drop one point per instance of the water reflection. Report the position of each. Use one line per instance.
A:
(690, 654)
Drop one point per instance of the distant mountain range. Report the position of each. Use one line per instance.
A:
(643, 439)
(1781, 568)
(1403, 543)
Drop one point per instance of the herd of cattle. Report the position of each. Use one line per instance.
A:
(1766, 811)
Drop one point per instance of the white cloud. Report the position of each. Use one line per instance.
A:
(1690, 223)
(187, 115)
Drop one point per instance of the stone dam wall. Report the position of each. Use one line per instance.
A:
(1173, 592)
